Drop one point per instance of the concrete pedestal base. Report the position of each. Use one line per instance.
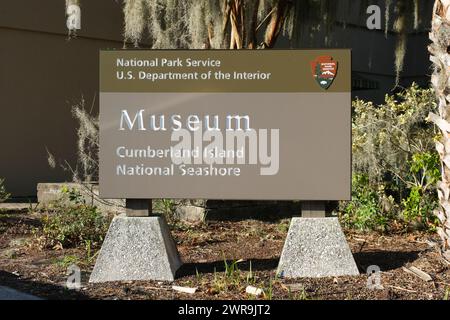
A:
(316, 247)
(137, 248)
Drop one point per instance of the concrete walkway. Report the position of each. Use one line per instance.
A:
(11, 294)
(16, 207)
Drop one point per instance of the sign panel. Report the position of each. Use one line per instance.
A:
(226, 124)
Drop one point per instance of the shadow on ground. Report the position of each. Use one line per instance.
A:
(39, 289)
(386, 260)
(18, 219)
(190, 269)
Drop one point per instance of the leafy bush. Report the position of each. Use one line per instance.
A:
(71, 222)
(395, 165)
(422, 200)
(3, 194)
(365, 211)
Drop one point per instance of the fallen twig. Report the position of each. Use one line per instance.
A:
(403, 289)
(419, 273)
(293, 287)
(184, 289)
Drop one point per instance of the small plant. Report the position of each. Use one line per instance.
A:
(219, 282)
(231, 268)
(68, 260)
(364, 211)
(71, 222)
(447, 294)
(3, 194)
(300, 295)
(197, 275)
(90, 255)
(283, 226)
(166, 207)
(250, 279)
(268, 293)
(231, 278)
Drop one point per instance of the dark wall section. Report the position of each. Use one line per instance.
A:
(41, 75)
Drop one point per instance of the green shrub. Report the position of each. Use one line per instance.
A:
(395, 165)
(3, 194)
(71, 222)
(365, 211)
(422, 200)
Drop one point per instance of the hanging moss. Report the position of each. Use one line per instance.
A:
(400, 52)
(72, 2)
(134, 20)
(161, 31)
(72, 32)
(416, 14)
(198, 25)
(387, 16)
(400, 27)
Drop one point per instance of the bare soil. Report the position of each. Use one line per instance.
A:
(256, 245)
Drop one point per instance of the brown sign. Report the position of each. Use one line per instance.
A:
(226, 124)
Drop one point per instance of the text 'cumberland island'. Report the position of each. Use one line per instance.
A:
(197, 141)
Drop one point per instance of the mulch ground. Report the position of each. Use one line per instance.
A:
(256, 245)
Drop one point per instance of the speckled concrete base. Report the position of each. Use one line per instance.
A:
(137, 248)
(316, 247)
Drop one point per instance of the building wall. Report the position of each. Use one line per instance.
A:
(41, 75)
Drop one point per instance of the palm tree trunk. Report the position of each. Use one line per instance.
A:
(440, 56)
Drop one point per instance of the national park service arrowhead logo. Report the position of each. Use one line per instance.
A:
(324, 70)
